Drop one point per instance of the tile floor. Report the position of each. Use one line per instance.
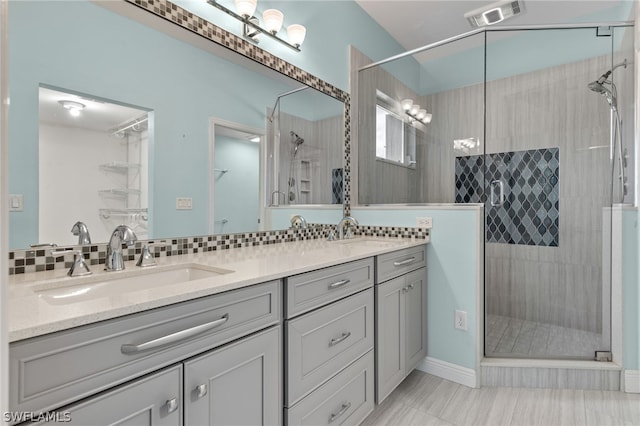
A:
(425, 400)
(507, 335)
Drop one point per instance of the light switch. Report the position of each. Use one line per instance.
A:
(16, 202)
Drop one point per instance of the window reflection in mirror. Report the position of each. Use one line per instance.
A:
(93, 157)
(395, 138)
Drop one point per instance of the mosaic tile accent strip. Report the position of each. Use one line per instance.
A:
(530, 214)
(337, 186)
(198, 25)
(23, 261)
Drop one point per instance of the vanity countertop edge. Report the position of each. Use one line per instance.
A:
(29, 315)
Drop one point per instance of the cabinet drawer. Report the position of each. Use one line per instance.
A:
(52, 370)
(345, 399)
(152, 400)
(308, 291)
(321, 343)
(394, 264)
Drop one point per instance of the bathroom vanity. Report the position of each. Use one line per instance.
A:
(280, 334)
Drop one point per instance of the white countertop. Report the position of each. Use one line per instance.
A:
(32, 315)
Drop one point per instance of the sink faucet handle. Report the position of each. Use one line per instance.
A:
(146, 257)
(79, 267)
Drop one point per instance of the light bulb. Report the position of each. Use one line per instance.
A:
(272, 19)
(414, 109)
(246, 8)
(74, 112)
(296, 34)
(427, 118)
(421, 113)
(406, 104)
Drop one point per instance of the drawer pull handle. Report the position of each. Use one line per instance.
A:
(201, 390)
(338, 284)
(343, 410)
(337, 340)
(405, 262)
(174, 337)
(172, 405)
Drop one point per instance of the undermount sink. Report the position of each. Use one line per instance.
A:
(368, 243)
(72, 290)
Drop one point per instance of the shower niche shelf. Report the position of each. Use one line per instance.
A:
(305, 180)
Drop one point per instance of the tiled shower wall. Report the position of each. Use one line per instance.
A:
(538, 110)
(322, 148)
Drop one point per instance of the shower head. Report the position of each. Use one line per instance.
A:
(598, 87)
(296, 140)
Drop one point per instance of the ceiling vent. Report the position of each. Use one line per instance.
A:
(494, 13)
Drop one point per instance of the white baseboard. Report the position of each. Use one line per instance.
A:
(446, 370)
(632, 381)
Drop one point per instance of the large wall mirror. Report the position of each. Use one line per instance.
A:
(163, 112)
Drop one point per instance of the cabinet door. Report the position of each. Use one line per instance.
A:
(153, 400)
(238, 384)
(390, 336)
(415, 318)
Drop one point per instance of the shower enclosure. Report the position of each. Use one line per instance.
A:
(536, 124)
(552, 178)
(304, 146)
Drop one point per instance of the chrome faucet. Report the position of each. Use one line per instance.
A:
(121, 235)
(346, 222)
(80, 229)
(298, 219)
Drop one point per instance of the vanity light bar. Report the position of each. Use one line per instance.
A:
(251, 22)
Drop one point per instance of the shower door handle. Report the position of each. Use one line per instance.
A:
(497, 193)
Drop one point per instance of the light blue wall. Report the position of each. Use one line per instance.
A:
(453, 262)
(236, 192)
(630, 290)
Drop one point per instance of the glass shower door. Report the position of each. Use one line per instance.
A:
(547, 174)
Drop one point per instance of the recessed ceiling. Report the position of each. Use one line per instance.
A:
(416, 23)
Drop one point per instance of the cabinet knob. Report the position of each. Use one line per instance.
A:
(411, 286)
(172, 405)
(201, 390)
(405, 289)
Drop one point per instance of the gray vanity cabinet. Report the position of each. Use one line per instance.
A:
(239, 384)
(329, 340)
(221, 338)
(154, 400)
(401, 328)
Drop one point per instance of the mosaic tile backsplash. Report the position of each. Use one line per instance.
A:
(530, 213)
(23, 261)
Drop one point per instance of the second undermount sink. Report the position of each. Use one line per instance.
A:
(368, 243)
(70, 290)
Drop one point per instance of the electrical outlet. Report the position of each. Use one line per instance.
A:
(16, 202)
(424, 222)
(184, 203)
(461, 320)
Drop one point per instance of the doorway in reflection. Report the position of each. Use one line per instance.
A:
(93, 157)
